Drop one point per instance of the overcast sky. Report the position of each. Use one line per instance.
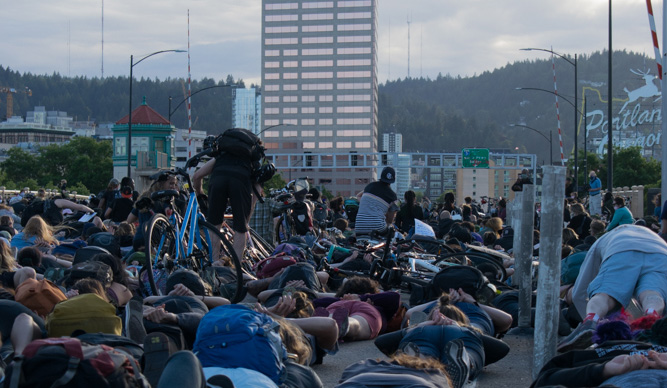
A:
(457, 37)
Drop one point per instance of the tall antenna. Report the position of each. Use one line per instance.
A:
(102, 39)
(409, 21)
(389, 54)
(421, 51)
(69, 51)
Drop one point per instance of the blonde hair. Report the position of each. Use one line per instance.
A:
(7, 262)
(36, 226)
(495, 223)
(421, 363)
(295, 342)
(451, 311)
(569, 234)
(578, 209)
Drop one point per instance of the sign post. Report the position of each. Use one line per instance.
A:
(475, 158)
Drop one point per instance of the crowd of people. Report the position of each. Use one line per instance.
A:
(71, 272)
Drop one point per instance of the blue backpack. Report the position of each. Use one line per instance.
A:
(234, 336)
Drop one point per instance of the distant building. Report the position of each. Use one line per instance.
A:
(181, 145)
(319, 76)
(40, 128)
(392, 142)
(247, 109)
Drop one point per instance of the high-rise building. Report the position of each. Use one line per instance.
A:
(319, 61)
(392, 142)
(247, 109)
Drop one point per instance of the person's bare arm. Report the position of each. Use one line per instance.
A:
(199, 175)
(67, 204)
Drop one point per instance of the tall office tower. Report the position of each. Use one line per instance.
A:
(392, 142)
(319, 61)
(247, 109)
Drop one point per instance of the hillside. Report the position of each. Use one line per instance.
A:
(443, 114)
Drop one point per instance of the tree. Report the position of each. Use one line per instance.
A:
(20, 165)
(630, 168)
(276, 182)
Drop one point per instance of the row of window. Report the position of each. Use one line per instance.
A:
(321, 109)
(318, 16)
(25, 138)
(318, 63)
(318, 75)
(317, 4)
(339, 144)
(320, 133)
(314, 87)
(323, 98)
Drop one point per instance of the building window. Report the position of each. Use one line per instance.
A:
(354, 15)
(290, 133)
(355, 3)
(354, 62)
(290, 87)
(271, 111)
(140, 143)
(319, 28)
(308, 110)
(281, 29)
(343, 144)
(326, 98)
(353, 132)
(348, 86)
(271, 122)
(307, 121)
(290, 121)
(325, 122)
(353, 97)
(291, 64)
(270, 7)
(307, 98)
(326, 144)
(354, 39)
(354, 27)
(272, 53)
(353, 109)
(353, 121)
(317, 4)
(308, 145)
(272, 76)
(317, 87)
(274, 41)
(325, 109)
(326, 133)
(308, 133)
(272, 65)
(317, 40)
(327, 63)
(317, 16)
(290, 99)
(281, 18)
(362, 144)
(317, 74)
(290, 53)
(290, 110)
(317, 51)
(271, 88)
(290, 75)
(120, 146)
(352, 50)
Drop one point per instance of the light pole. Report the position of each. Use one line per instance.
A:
(129, 121)
(576, 117)
(549, 139)
(171, 112)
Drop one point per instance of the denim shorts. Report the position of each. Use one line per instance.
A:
(630, 273)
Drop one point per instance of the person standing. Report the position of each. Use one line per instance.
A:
(594, 189)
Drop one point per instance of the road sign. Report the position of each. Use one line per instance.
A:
(475, 157)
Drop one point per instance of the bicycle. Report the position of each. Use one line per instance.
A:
(184, 241)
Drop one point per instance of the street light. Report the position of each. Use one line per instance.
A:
(171, 112)
(576, 117)
(129, 121)
(549, 139)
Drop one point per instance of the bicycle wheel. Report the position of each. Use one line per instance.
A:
(226, 248)
(160, 244)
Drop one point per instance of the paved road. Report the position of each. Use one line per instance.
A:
(513, 371)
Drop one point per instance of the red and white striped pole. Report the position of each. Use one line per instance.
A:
(189, 95)
(560, 135)
(654, 37)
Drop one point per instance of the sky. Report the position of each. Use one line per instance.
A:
(455, 37)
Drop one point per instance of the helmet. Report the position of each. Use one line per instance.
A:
(264, 173)
(300, 186)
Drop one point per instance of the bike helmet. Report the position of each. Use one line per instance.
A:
(300, 187)
(264, 173)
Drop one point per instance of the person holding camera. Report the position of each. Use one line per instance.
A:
(523, 179)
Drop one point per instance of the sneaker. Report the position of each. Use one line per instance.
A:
(580, 338)
(341, 316)
(410, 349)
(134, 321)
(157, 349)
(458, 364)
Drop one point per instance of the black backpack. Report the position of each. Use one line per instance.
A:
(107, 241)
(90, 269)
(321, 213)
(46, 209)
(301, 216)
(68, 362)
(470, 279)
(241, 143)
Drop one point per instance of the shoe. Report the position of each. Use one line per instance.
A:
(410, 349)
(458, 363)
(220, 381)
(341, 316)
(580, 338)
(157, 350)
(134, 321)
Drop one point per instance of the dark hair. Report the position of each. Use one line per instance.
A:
(314, 193)
(410, 197)
(29, 257)
(358, 285)
(119, 274)
(90, 286)
(127, 181)
(341, 224)
(489, 238)
(449, 197)
(466, 210)
(620, 201)
(336, 204)
(189, 279)
(460, 233)
(467, 199)
(607, 196)
(4, 220)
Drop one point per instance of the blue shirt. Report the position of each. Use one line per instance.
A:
(596, 185)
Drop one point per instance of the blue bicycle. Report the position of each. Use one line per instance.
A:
(184, 240)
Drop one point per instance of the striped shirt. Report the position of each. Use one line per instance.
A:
(378, 198)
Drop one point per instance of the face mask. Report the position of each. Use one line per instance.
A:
(592, 178)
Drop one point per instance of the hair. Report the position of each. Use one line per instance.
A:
(466, 210)
(449, 198)
(565, 251)
(489, 238)
(569, 234)
(460, 233)
(468, 199)
(124, 229)
(341, 224)
(127, 181)
(607, 196)
(451, 311)
(336, 204)
(502, 203)
(358, 285)
(410, 197)
(36, 226)
(578, 209)
(495, 223)
(314, 194)
(29, 257)
(6, 220)
(303, 307)
(119, 274)
(7, 262)
(597, 227)
(295, 342)
(90, 286)
(420, 363)
(159, 184)
(620, 201)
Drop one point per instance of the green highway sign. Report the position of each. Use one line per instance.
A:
(475, 157)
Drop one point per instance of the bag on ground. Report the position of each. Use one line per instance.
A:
(68, 362)
(272, 265)
(39, 296)
(90, 269)
(234, 336)
(87, 312)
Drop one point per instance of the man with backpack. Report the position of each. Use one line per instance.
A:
(378, 205)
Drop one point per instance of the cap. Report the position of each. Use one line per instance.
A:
(388, 175)
(126, 192)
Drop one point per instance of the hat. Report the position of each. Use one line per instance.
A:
(126, 192)
(508, 231)
(114, 182)
(388, 175)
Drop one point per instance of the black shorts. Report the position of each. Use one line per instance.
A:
(239, 194)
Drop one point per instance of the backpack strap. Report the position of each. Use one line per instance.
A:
(17, 372)
(72, 367)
